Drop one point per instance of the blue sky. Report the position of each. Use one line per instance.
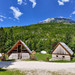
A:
(26, 12)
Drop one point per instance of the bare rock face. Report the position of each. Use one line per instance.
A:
(59, 20)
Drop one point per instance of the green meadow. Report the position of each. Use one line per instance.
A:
(10, 72)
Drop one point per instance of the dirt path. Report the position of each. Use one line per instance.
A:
(37, 65)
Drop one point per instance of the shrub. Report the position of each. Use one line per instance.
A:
(47, 58)
(33, 57)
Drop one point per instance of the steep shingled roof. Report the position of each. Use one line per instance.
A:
(26, 46)
(66, 47)
(22, 44)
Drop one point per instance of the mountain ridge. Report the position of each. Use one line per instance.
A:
(58, 20)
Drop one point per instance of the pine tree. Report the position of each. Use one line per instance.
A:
(68, 38)
(10, 35)
(2, 39)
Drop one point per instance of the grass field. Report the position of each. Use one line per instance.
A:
(42, 57)
(10, 72)
(32, 72)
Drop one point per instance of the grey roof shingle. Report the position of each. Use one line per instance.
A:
(26, 46)
(66, 47)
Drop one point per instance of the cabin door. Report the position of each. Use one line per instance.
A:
(19, 52)
(19, 55)
(19, 49)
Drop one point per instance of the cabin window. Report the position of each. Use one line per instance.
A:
(63, 56)
(56, 55)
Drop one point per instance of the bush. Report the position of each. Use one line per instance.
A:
(47, 58)
(3, 58)
(33, 57)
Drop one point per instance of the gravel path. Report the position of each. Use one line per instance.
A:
(37, 65)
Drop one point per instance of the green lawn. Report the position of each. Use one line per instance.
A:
(42, 57)
(32, 72)
(10, 72)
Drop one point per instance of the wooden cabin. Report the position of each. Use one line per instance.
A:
(62, 52)
(19, 51)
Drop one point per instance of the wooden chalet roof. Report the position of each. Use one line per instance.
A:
(65, 47)
(20, 41)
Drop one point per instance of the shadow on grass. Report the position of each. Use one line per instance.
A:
(2, 69)
(10, 60)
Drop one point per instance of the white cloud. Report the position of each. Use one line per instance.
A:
(34, 3)
(70, 16)
(24, 3)
(20, 2)
(65, 0)
(2, 16)
(16, 12)
(1, 20)
(61, 2)
(73, 12)
(10, 18)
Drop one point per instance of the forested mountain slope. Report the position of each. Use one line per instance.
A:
(39, 36)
